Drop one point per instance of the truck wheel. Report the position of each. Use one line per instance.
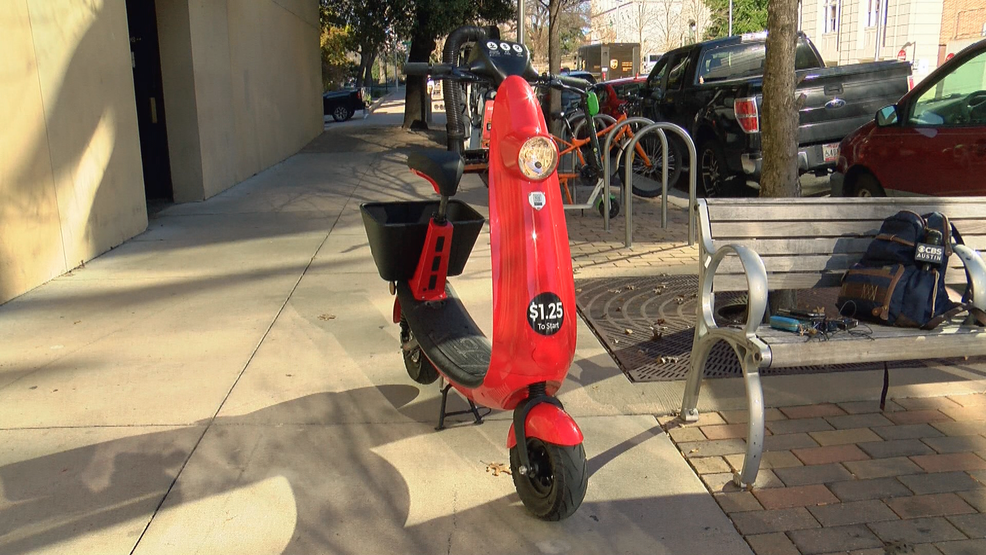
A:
(714, 179)
(341, 113)
(865, 185)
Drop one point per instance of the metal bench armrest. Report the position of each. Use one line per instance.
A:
(756, 281)
(976, 271)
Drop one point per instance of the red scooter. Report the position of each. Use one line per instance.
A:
(417, 245)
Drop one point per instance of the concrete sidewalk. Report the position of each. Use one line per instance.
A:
(229, 382)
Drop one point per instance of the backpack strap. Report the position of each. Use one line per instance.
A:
(976, 316)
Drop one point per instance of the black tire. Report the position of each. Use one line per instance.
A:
(341, 113)
(714, 179)
(614, 206)
(555, 486)
(418, 367)
(866, 185)
(652, 146)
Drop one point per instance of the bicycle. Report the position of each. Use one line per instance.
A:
(590, 171)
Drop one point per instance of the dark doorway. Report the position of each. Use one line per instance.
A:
(145, 58)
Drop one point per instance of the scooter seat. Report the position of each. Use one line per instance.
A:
(441, 167)
(448, 336)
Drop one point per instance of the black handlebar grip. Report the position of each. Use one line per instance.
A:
(417, 68)
(573, 82)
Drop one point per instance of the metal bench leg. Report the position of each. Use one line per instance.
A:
(693, 386)
(754, 440)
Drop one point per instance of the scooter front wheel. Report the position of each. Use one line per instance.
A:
(555, 484)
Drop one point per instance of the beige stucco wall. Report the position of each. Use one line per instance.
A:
(71, 185)
(242, 88)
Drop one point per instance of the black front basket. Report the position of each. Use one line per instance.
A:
(396, 232)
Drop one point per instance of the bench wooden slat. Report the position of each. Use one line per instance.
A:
(789, 349)
(837, 208)
(737, 282)
(816, 263)
(802, 245)
(972, 232)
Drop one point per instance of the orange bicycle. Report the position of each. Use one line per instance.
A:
(589, 172)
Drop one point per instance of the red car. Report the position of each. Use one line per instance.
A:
(932, 142)
(613, 94)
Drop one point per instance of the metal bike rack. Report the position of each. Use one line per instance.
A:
(608, 164)
(660, 127)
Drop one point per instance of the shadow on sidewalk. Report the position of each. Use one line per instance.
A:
(345, 496)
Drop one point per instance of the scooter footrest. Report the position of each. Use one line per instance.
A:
(448, 336)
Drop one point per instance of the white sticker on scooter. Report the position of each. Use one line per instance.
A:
(537, 200)
(545, 314)
(492, 45)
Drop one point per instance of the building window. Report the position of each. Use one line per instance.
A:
(872, 11)
(831, 16)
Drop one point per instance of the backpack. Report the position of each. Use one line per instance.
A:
(900, 281)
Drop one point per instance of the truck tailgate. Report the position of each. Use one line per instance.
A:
(840, 99)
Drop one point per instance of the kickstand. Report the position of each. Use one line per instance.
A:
(442, 414)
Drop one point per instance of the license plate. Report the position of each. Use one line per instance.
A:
(830, 152)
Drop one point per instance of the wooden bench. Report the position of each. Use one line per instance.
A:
(761, 245)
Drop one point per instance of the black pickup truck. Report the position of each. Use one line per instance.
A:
(713, 90)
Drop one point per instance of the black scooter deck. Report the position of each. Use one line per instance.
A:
(448, 336)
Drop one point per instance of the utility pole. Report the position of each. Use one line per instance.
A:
(521, 22)
(730, 18)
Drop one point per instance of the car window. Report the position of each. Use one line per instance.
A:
(804, 56)
(677, 74)
(731, 62)
(958, 98)
(629, 89)
(656, 77)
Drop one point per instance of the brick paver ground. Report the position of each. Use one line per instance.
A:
(848, 478)
(598, 253)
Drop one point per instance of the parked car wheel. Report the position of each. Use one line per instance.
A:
(341, 113)
(714, 179)
(866, 185)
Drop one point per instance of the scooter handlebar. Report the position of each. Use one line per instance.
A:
(424, 68)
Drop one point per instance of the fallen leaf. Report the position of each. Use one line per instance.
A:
(497, 468)
(628, 331)
(325, 317)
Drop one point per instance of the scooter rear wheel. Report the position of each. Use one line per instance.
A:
(555, 484)
(418, 367)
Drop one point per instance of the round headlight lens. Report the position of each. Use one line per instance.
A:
(538, 158)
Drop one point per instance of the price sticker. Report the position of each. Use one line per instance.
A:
(545, 314)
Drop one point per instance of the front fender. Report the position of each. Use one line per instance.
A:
(550, 424)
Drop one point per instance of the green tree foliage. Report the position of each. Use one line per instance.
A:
(368, 27)
(749, 16)
(337, 67)
(573, 20)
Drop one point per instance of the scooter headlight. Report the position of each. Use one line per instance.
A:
(538, 157)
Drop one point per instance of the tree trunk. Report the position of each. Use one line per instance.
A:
(779, 113)
(368, 78)
(779, 119)
(417, 101)
(554, 58)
